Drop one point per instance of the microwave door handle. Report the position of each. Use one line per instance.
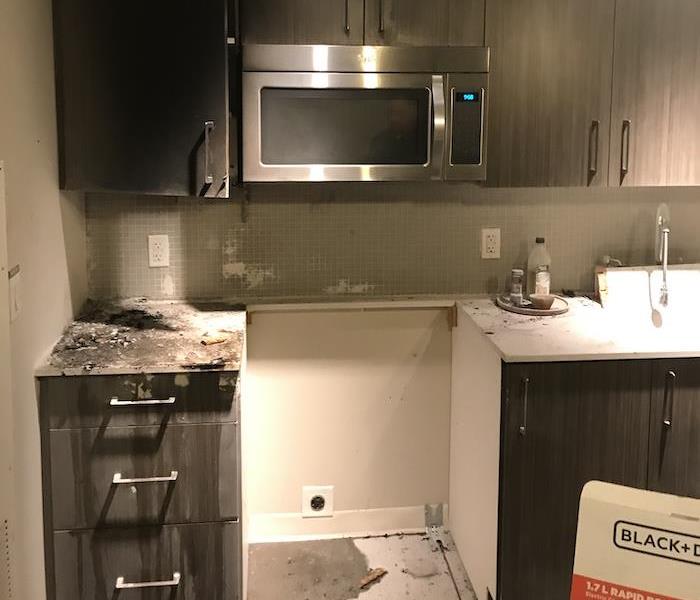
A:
(439, 126)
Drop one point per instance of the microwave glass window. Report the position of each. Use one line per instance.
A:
(345, 126)
(466, 127)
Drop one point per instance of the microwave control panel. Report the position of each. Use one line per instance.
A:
(467, 124)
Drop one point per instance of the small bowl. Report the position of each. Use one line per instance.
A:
(542, 301)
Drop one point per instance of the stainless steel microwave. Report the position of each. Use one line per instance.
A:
(364, 113)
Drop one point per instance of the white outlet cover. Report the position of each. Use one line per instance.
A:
(490, 243)
(309, 492)
(158, 251)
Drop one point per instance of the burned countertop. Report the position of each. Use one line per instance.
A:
(141, 336)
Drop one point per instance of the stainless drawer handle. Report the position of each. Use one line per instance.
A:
(669, 399)
(119, 480)
(117, 402)
(625, 149)
(208, 176)
(526, 392)
(123, 585)
(593, 149)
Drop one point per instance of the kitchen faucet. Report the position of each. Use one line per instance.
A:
(663, 233)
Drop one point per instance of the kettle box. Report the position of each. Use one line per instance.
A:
(636, 545)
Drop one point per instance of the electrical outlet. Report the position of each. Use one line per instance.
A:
(317, 501)
(490, 243)
(158, 251)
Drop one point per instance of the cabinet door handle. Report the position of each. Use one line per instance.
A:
(117, 402)
(121, 584)
(625, 149)
(347, 16)
(593, 149)
(208, 175)
(669, 399)
(381, 16)
(526, 390)
(119, 480)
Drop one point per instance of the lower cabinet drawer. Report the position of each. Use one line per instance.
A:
(123, 400)
(127, 476)
(178, 562)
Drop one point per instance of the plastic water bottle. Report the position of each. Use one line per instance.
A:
(539, 265)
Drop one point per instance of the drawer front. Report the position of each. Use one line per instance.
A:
(91, 565)
(195, 469)
(121, 400)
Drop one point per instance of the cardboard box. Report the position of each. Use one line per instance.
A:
(636, 545)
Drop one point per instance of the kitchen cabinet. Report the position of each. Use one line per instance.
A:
(550, 90)
(655, 136)
(374, 22)
(564, 424)
(332, 22)
(142, 485)
(674, 449)
(527, 436)
(142, 94)
(419, 23)
(190, 562)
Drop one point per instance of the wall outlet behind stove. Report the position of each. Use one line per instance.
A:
(317, 501)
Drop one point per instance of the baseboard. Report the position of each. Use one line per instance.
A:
(291, 527)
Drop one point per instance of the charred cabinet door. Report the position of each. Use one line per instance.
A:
(564, 425)
(142, 93)
(674, 452)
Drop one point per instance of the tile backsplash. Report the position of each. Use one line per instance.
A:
(332, 240)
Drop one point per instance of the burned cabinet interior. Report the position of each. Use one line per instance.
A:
(141, 477)
(142, 94)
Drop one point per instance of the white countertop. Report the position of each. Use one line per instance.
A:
(586, 332)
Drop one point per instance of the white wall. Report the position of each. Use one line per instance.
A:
(46, 238)
(7, 489)
(358, 400)
(475, 453)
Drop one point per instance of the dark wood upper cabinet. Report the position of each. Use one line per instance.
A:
(420, 23)
(142, 91)
(371, 22)
(551, 67)
(674, 452)
(564, 424)
(333, 22)
(656, 94)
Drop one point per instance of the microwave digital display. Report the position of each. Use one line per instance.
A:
(467, 96)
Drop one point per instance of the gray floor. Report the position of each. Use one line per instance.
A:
(333, 569)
